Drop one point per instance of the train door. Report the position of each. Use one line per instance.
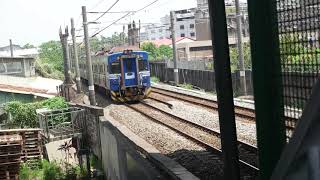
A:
(130, 72)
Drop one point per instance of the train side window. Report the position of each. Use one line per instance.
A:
(143, 65)
(115, 68)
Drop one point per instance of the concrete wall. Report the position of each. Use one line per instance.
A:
(119, 155)
(113, 157)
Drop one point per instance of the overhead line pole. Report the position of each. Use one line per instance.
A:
(65, 48)
(173, 37)
(11, 48)
(75, 53)
(88, 57)
(243, 85)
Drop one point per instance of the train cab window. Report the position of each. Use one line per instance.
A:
(129, 66)
(115, 68)
(143, 65)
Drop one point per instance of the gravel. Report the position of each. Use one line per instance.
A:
(193, 157)
(246, 130)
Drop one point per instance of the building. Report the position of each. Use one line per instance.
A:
(184, 26)
(200, 50)
(168, 42)
(202, 20)
(17, 66)
(18, 51)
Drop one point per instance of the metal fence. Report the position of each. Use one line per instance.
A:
(61, 123)
(299, 32)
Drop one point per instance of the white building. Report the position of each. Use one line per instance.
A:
(184, 26)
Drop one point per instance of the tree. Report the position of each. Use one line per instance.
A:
(51, 52)
(165, 51)
(28, 46)
(235, 59)
(151, 49)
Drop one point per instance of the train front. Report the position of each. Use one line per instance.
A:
(129, 75)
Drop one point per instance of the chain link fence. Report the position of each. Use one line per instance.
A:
(299, 32)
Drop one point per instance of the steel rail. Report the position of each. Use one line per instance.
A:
(197, 140)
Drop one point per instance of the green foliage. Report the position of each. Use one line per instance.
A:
(50, 61)
(186, 86)
(151, 49)
(52, 171)
(297, 55)
(165, 51)
(24, 114)
(28, 173)
(235, 59)
(49, 171)
(154, 79)
(51, 52)
(155, 52)
(54, 103)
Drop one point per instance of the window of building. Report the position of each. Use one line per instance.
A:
(192, 34)
(152, 31)
(182, 35)
(160, 30)
(191, 25)
(161, 38)
(181, 26)
(201, 48)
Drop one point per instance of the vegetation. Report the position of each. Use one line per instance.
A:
(186, 86)
(161, 52)
(297, 55)
(234, 57)
(50, 61)
(49, 171)
(154, 79)
(24, 114)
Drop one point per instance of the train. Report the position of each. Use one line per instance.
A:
(125, 75)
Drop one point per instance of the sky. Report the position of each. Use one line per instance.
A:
(38, 21)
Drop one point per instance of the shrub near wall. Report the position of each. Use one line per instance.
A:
(23, 115)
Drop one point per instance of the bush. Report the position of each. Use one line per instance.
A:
(49, 171)
(154, 79)
(24, 114)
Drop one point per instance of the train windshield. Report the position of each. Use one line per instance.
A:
(115, 68)
(143, 65)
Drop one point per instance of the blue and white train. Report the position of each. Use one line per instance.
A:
(125, 75)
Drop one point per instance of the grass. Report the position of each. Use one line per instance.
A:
(154, 79)
(186, 86)
(49, 171)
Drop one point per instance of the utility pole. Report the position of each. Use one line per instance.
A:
(92, 97)
(139, 33)
(11, 48)
(243, 85)
(173, 37)
(65, 48)
(75, 55)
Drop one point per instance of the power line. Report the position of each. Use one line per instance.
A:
(107, 10)
(110, 12)
(124, 17)
(96, 5)
(109, 25)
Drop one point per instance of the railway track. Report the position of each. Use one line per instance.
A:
(242, 112)
(205, 137)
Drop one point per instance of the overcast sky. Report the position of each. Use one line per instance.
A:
(37, 21)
